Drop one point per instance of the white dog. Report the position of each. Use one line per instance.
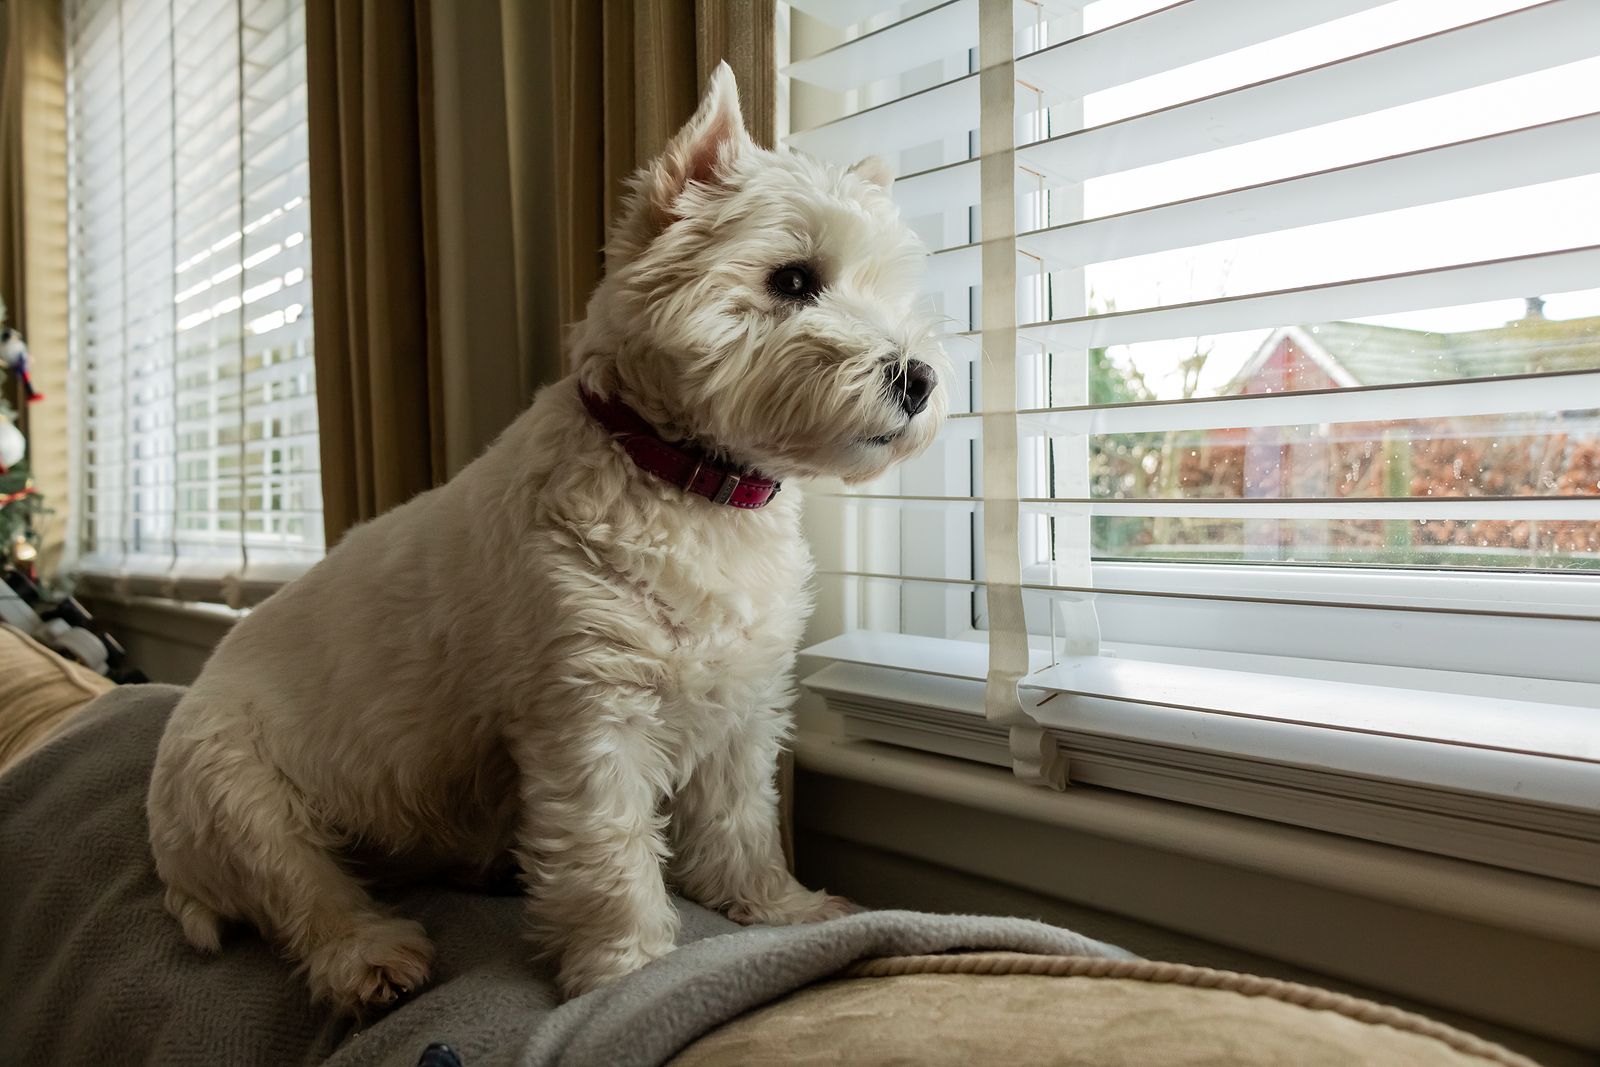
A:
(565, 654)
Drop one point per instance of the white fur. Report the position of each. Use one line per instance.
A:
(556, 655)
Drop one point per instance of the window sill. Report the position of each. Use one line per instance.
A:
(169, 640)
(1522, 812)
(219, 587)
(204, 618)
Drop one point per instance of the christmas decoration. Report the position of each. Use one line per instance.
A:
(14, 356)
(64, 626)
(57, 622)
(13, 446)
(19, 501)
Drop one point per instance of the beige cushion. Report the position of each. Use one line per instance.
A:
(39, 691)
(1076, 1011)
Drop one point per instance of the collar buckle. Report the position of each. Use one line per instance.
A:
(730, 482)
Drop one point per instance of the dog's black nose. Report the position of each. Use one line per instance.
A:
(911, 385)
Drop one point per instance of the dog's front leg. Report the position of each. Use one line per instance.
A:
(591, 844)
(726, 850)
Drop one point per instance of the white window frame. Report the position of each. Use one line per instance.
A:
(885, 543)
(266, 559)
(1494, 807)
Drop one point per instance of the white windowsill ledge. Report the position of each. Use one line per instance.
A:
(1520, 738)
(1526, 813)
(196, 584)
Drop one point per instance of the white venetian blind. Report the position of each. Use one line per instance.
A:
(191, 297)
(1284, 310)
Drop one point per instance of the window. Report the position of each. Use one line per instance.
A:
(190, 296)
(1273, 482)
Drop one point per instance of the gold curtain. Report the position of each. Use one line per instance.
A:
(466, 159)
(373, 255)
(628, 74)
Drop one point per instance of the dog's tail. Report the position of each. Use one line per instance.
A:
(201, 925)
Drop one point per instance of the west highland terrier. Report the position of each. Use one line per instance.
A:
(578, 652)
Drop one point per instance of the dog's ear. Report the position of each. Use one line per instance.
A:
(704, 151)
(710, 143)
(875, 169)
(707, 147)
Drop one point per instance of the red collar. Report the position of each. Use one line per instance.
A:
(684, 465)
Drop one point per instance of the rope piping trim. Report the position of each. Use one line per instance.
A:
(1364, 1011)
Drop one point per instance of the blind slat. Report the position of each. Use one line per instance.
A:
(1386, 508)
(896, 48)
(1383, 403)
(938, 188)
(844, 12)
(1504, 46)
(1521, 42)
(1550, 272)
(911, 120)
(925, 37)
(1529, 156)
(1269, 596)
(1168, 38)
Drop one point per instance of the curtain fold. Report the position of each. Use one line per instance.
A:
(628, 74)
(492, 364)
(466, 161)
(33, 245)
(373, 255)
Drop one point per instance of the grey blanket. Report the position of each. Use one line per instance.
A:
(93, 971)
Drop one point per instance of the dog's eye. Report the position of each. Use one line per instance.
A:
(795, 283)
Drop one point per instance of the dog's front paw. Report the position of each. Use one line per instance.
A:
(370, 967)
(794, 907)
(587, 968)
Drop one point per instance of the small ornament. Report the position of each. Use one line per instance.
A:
(13, 446)
(14, 355)
(25, 557)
